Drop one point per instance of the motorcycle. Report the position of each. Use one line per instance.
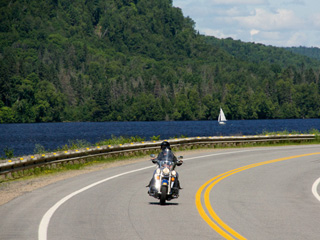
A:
(161, 186)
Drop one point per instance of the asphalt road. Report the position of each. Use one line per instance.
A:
(269, 201)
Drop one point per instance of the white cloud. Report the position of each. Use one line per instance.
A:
(296, 2)
(315, 19)
(233, 12)
(296, 38)
(254, 32)
(273, 36)
(239, 2)
(281, 39)
(271, 22)
(217, 33)
(265, 20)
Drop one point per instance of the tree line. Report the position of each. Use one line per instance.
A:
(140, 60)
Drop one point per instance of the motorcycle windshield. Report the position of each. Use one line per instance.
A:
(166, 155)
(166, 164)
(166, 159)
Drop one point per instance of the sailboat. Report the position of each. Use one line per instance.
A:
(222, 118)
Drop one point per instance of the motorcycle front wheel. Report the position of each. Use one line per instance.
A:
(163, 196)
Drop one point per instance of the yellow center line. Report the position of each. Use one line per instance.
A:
(224, 230)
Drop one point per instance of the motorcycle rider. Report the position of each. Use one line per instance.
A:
(165, 146)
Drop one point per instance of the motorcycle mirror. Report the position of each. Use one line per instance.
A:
(152, 155)
(181, 157)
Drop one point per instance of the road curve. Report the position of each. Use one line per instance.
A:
(269, 201)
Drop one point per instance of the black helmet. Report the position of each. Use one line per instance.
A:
(165, 145)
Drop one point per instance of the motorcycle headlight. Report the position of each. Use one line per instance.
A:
(158, 171)
(166, 171)
(174, 173)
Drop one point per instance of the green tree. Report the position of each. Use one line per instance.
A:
(49, 103)
(6, 115)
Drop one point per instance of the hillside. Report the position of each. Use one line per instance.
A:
(312, 52)
(262, 54)
(129, 60)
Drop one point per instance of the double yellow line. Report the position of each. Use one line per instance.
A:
(212, 218)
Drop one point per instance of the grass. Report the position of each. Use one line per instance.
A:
(286, 132)
(120, 140)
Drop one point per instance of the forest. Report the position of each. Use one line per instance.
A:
(140, 60)
(313, 52)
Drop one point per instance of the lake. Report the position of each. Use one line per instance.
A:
(22, 138)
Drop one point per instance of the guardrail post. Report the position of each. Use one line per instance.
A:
(8, 175)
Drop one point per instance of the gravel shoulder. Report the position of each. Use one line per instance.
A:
(12, 189)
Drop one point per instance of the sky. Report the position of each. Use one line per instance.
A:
(280, 23)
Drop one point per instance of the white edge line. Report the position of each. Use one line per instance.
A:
(43, 227)
(314, 189)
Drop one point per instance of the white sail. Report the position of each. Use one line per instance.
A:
(222, 118)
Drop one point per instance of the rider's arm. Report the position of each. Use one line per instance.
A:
(178, 162)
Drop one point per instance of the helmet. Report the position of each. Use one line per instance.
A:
(165, 145)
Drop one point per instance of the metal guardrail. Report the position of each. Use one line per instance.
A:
(20, 164)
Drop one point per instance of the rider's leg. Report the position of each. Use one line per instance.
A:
(151, 185)
(176, 186)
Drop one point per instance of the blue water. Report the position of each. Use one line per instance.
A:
(22, 138)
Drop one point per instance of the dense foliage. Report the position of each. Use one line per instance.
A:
(258, 53)
(128, 60)
(312, 52)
